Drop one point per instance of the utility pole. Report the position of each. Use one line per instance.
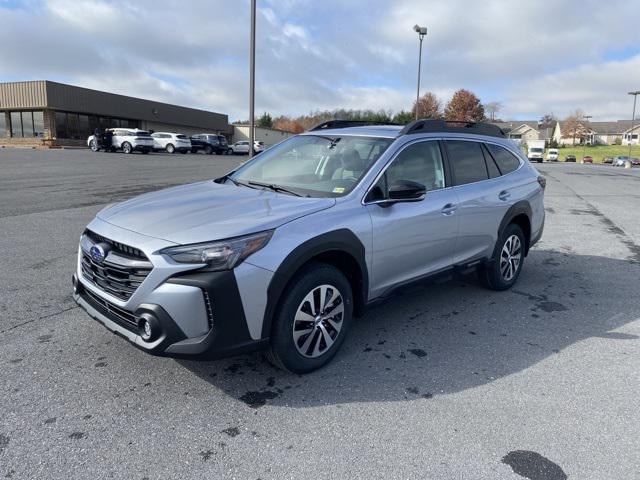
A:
(421, 31)
(633, 119)
(584, 147)
(252, 79)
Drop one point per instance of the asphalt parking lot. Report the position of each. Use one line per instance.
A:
(447, 381)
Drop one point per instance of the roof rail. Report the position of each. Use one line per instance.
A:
(331, 124)
(452, 126)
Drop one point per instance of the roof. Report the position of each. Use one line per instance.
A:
(246, 125)
(382, 131)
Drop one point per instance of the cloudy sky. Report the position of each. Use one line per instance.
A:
(535, 57)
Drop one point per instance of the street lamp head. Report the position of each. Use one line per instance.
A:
(420, 30)
(637, 92)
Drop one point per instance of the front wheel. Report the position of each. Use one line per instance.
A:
(208, 150)
(93, 145)
(126, 148)
(503, 271)
(312, 319)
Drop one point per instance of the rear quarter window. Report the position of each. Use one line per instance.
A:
(467, 161)
(507, 162)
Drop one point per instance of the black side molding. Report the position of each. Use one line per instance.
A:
(342, 240)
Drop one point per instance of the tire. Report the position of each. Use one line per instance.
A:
(183, 152)
(503, 272)
(208, 150)
(93, 145)
(127, 148)
(194, 150)
(310, 351)
(145, 151)
(170, 148)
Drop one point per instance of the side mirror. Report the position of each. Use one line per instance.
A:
(406, 191)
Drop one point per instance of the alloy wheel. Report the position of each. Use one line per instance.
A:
(318, 321)
(510, 257)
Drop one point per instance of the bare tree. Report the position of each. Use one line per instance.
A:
(492, 109)
(428, 107)
(464, 106)
(574, 126)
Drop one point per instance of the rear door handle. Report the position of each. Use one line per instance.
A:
(504, 195)
(449, 209)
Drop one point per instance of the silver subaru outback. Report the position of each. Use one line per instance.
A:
(283, 252)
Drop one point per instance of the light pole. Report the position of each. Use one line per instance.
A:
(421, 31)
(252, 78)
(633, 118)
(584, 147)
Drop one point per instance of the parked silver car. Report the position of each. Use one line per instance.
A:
(284, 251)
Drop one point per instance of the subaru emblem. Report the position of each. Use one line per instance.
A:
(97, 253)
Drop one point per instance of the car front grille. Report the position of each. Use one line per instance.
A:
(121, 272)
(117, 314)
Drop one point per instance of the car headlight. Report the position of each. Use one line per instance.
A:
(222, 254)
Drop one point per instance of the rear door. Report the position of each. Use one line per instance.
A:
(412, 239)
(483, 198)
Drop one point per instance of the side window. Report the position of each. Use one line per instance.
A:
(507, 161)
(467, 161)
(420, 162)
(492, 168)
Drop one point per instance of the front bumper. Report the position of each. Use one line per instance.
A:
(228, 334)
(198, 313)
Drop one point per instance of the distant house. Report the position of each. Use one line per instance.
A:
(269, 136)
(523, 131)
(631, 135)
(596, 133)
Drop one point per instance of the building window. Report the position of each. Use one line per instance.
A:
(38, 124)
(4, 131)
(27, 124)
(16, 125)
(61, 125)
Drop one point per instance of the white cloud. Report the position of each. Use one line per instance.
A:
(332, 54)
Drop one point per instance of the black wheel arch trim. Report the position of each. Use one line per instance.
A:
(342, 240)
(519, 208)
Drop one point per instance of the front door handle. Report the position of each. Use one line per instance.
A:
(449, 209)
(504, 195)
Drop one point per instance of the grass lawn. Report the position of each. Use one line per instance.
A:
(597, 152)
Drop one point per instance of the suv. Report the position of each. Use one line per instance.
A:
(242, 147)
(209, 144)
(126, 139)
(171, 142)
(285, 250)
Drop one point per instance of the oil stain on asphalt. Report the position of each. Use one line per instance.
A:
(533, 466)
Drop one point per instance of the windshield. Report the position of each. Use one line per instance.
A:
(181, 136)
(536, 150)
(312, 165)
(140, 133)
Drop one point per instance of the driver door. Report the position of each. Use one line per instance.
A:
(415, 238)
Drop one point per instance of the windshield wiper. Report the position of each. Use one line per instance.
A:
(275, 188)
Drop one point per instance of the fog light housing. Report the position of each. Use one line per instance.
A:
(148, 327)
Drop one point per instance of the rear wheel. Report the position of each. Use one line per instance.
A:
(126, 148)
(312, 319)
(145, 151)
(503, 271)
(93, 145)
(183, 151)
(170, 148)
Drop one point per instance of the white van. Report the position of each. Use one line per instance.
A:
(552, 155)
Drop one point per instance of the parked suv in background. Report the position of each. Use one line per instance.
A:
(242, 147)
(209, 143)
(126, 139)
(171, 142)
(283, 252)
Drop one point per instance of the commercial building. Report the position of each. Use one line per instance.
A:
(45, 113)
(269, 136)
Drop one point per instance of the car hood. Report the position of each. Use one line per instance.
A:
(205, 211)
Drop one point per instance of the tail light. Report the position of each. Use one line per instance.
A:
(542, 181)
